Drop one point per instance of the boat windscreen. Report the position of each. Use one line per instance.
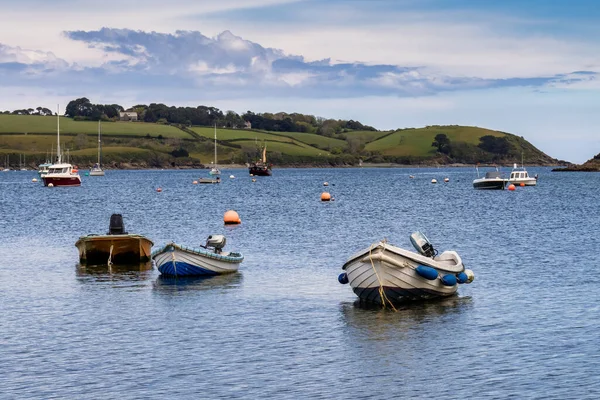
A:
(493, 174)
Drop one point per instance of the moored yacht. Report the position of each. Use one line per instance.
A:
(61, 174)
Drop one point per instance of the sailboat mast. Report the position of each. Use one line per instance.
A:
(215, 145)
(99, 142)
(58, 154)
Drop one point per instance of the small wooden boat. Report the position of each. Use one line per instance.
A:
(383, 273)
(177, 260)
(116, 247)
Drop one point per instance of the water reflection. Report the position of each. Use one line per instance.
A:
(116, 272)
(181, 284)
(373, 321)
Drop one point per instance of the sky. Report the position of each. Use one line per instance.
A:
(528, 67)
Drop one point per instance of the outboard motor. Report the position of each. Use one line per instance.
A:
(116, 226)
(216, 241)
(422, 244)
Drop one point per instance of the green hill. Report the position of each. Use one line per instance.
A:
(152, 145)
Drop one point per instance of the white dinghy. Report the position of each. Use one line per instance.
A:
(383, 273)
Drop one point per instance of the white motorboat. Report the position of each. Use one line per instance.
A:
(177, 260)
(383, 273)
(520, 176)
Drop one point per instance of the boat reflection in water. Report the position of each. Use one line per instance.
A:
(168, 284)
(372, 321)
(105, 272)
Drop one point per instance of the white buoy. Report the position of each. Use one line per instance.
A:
(231, 177)
(411, 176)
(434, 180)
(50, 185)
(253, 179)
(34, 180)
(325, 183)
(446, 179)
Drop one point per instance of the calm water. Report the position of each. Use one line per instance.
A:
(527, 327)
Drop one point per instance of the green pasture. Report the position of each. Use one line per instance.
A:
(417, 142)
(313, 140)
(366, 136)
(237, 134)
(286, 148)
(32, 124)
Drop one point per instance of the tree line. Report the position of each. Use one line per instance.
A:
(31, 111)
(83, 109)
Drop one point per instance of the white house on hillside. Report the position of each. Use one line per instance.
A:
(128, 116)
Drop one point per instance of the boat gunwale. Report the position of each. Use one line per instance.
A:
(232, 257)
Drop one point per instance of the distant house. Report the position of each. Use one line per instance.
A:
(128, 116)
(247, 125)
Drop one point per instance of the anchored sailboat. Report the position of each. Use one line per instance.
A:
(97, 169)
(215, 170)
(61, 174)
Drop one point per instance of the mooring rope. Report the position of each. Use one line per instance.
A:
(382, 294)
(109, 262)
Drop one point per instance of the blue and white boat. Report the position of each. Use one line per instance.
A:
(383, 273)
(177, 260)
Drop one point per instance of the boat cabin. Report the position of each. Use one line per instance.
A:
(519, 175)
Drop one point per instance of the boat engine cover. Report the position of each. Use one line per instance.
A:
(422, 244)
(216, 241)
(116, 227)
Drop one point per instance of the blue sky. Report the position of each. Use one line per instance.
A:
(526, 67)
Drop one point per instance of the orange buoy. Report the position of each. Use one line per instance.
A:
(74, 170)
(231, 218)
(522, 184)
(159, 190)
(511, 187)
(325, 196)
(195, 182)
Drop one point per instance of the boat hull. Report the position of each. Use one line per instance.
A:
(208, 180)
(175, 260)
(524, 181)
(126, 249)
(377, 271)
(489, 184)
(62, 181)
(260, 171)
(96, 173)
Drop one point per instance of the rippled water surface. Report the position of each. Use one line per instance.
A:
(527, 327)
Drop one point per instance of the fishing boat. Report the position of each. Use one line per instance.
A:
(493, 180)
(61, 174)
(520, 176)
(383, 273)
(260, 167)
(116, 247)
(97, 168)
(215, 170)
(177, 260)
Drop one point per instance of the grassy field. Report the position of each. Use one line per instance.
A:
(367, 136)
(32, 124)
(238, 134)
(286, 148)
(417, 142)
(314, 140)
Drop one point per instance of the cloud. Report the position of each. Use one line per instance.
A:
(227, 65)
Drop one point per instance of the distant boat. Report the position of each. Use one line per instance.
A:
(22, 163)
(520, 176)
(177, 260)
(383, 273)
(61, 174)
(97, 168)
(493, 180)
(215, 170)
(210, 180)
(260, 167)
(116, 247)
(7, 168)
